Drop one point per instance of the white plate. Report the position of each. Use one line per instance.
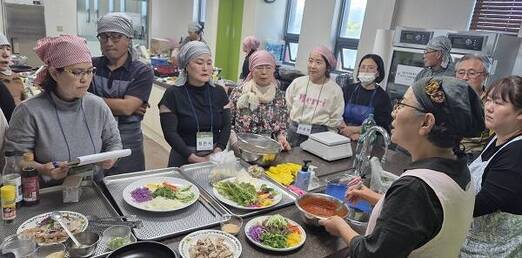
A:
(34, 221)
(259, 220)
(155, 180)
(232, 242)
(257, 183)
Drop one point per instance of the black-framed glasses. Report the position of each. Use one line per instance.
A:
(471, 73)
(398, 104)
(78, 74)
(115, 37)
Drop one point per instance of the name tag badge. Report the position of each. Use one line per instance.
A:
(204, 141)
(304, 129)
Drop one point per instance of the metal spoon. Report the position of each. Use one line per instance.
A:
(58, 218)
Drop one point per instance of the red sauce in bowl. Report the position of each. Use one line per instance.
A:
(321, 207)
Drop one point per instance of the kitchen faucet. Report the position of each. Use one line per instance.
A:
(363, 151)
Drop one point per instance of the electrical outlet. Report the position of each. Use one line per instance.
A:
(59, 28)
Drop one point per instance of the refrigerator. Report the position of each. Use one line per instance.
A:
(24, 24)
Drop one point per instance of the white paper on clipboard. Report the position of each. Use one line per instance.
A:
(94, 158)
(406, 74)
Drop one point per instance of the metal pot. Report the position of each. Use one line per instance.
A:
(341, 209)
(258, 149)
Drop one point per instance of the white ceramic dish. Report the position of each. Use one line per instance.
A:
(257, 183)
(188, 241)
(158, 180)
(34, 221)
(259, 220)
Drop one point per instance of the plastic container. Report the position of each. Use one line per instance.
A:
(8, 195)
(72, 189)
(302, 179)
(11, 175)
(154, 61)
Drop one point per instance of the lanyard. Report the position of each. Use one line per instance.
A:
(194, 110)
(63, 132)
(316, 104)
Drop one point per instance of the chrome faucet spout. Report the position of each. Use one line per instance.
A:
(364, 149)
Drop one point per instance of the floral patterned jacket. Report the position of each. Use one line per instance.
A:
(268, 119)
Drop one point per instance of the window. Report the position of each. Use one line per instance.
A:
(497, 15)
(294, 18)
(349, 32)
(202, 7)
(89, 11)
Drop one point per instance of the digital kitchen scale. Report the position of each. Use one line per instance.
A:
(329, 146)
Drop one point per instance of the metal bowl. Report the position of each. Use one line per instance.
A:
(309, 218)
(89, 240)
(258, 149)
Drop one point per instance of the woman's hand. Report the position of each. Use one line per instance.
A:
(193, 158)
(217, 149)
(354, 194)
(106, 164)
(284, 143)
(355, 136)
(338, 227)
(56, 173)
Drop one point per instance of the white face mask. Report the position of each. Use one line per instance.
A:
(366, 78)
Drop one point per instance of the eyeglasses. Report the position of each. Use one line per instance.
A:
(398, 104)
(429, 51)
(78, 74)
(115, 37)
(471, 73)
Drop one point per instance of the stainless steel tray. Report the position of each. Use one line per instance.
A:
(92, 202)
(199, 174)
(159, 225)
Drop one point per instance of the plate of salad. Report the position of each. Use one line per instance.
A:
(275, 233)
(247, 193)
(161, 194)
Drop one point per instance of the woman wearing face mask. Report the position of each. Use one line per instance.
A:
(366, 97)
(315, 102)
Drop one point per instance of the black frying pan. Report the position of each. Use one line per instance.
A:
(147, 249)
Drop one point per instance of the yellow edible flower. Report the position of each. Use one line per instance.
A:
(293, 239)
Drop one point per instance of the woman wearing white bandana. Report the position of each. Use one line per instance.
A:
(259, 106)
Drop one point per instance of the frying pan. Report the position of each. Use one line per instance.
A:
(146, 249)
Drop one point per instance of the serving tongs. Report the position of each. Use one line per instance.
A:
(130, 220)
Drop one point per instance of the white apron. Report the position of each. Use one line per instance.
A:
(497, 234)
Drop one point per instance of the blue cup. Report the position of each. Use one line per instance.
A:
(336, 189)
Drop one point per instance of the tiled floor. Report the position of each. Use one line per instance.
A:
(155, 155)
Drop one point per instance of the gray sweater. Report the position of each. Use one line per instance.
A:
(57, 130)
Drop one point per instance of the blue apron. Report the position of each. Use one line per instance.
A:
(355, 114)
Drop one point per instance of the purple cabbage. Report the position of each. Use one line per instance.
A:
(256, 232)
(141, 194)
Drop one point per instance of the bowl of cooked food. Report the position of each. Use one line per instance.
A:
(317, 206)
(258, 149)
